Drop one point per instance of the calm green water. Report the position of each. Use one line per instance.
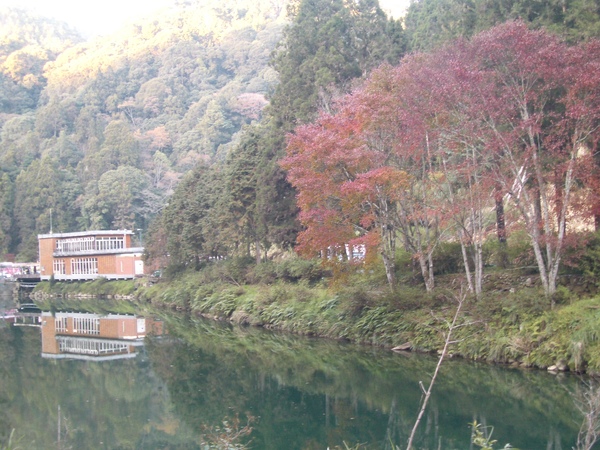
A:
(302, 394)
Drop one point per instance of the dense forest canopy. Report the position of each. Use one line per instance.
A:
(176, 124)
(97, 134)
(430, 23)
(326, 51)
(26, 45)
(245, 206)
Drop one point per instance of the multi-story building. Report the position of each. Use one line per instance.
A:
(87, 255)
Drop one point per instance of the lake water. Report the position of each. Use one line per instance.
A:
(188, 376)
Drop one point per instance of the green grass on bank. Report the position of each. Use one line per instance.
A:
(512, 323)
(100, 286)
(500, 328)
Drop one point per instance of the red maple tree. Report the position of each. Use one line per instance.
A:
(441, 142)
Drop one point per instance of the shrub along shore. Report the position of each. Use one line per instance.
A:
(513, 323)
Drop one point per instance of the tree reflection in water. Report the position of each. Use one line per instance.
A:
(302, 393)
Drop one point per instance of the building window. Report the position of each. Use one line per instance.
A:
(58, 266)
(84, 266)
(87, 244)
(82, 244)
(60, 324)
(110, 243)
(86, 325)
(85, 346)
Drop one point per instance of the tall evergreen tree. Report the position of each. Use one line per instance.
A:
(191, 226)
(328, 44)
(430, 23)
(6, 212)
(45, 198)
(242, 187)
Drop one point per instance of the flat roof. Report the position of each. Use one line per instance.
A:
(85, 233)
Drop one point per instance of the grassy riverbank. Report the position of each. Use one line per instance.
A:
(100, 286)
(509, 325)
(513, 323)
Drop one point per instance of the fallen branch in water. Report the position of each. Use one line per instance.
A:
(447, 342)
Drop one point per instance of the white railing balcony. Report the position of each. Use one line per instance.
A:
(94, 252)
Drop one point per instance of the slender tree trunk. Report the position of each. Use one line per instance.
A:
(466, 263)
(539, 257)
(388, 232)
(475, 277)
(390, 269)
(388, 253)
(500, 227)
(478, 269)
(500, 222)
(558, 197)
(554, 263)
(478, 247)
(541, 228)
(597, 182)
(430, 283)
(426, 264)
(537, 210)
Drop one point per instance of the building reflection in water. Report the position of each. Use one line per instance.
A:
(95, 337)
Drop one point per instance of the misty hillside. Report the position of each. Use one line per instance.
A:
(99, 132)
(124, 131)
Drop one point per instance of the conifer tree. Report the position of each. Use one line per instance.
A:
(329, 44)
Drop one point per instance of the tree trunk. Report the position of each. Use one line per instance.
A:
(558, 198)
(388, 253)
(548, 289)
(465, 256)
(390, 269)
(426, 264)
(257, 246)
(597, 183)
(431, 279)
(537, 210)
(501, 228)
(478, 270)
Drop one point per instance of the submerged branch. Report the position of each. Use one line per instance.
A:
(447, 343)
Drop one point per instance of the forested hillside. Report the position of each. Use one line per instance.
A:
(97, 134)
(430, 23)
(176, 125)
(26, 45)
(247, 207)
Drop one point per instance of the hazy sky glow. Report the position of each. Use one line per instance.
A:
(91, 17)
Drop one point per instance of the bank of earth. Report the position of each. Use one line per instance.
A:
(513, 323)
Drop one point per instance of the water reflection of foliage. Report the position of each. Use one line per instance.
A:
(253, 363)
(91, 305)
(227, 435)
(121, 407)
(308, 392)
(204, 390)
